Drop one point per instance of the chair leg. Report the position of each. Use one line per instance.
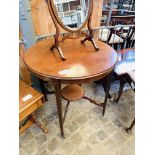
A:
(122, 83)
(104, 87)
(130, 127)
(108, 83)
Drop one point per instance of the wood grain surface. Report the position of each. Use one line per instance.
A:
(82, 60)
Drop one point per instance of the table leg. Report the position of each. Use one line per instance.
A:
(108, 83)
(57, 86)
(130, 127)
(43, 88)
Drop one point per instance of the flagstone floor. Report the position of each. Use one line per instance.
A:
(87, 131)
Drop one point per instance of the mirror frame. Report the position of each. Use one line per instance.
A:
(57, 22)
(55, 13)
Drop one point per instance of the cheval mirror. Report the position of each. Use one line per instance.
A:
(72, 16)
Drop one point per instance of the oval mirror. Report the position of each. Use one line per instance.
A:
(72, 15)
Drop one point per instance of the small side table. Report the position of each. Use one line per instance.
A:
(83, 65)
(29, 101)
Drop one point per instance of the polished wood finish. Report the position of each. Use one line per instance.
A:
(83, 64)
(57, 86)
(83, 61)
(26, 108)
(72, 92)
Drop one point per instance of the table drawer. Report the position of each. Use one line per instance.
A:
(30, 109)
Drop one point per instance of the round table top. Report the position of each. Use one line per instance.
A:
(82, 61)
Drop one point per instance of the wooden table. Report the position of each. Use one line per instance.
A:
(83, 64)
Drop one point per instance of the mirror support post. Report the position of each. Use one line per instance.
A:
(56, 36)
(89, 37)
(59, 51)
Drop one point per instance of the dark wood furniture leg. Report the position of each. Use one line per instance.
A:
(43, 88)
(122, 83)
(130, 127)
(89, 38)
(108, 83)
(104, 87)
(57, 87)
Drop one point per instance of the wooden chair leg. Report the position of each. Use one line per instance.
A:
(122, 83)
(104, 87)
(131, 126)
(108, 83)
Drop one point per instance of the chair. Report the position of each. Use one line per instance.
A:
(125, 72)
(108, 37)
(128, 36)
(114, 36)
(126, 31)
(130, 78)
(126, 62)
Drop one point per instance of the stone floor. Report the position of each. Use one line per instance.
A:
(87, 131)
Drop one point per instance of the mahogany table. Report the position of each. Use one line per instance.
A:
(83, 64)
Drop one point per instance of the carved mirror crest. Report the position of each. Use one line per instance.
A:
(72, 16)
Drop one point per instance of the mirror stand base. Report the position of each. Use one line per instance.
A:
(57, 47)
(89, 38)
